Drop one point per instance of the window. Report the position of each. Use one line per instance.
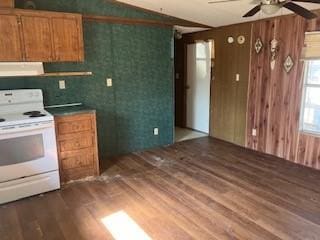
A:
(310, 114)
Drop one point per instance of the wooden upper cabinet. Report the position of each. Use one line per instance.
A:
(37, 38)
(66, 41)
(10, 42)
(6, 3)
(40, 36)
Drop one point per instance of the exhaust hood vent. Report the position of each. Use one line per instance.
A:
(18, 69)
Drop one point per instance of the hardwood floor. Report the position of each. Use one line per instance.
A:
(197, 189)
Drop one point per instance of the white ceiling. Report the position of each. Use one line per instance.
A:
(215, 15)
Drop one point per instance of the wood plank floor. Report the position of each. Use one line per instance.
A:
(198, 189)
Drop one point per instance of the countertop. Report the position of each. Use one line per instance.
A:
(70, 110)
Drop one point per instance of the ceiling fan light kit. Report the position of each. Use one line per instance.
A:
(270, 7)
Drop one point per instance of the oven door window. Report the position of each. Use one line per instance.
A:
(21, 149)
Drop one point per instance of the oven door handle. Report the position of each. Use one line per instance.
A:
(26, 128)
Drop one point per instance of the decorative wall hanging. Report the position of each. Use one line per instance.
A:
(230, 39)
(241, 39)
(288, 64)
(258, 45)
(274, 50)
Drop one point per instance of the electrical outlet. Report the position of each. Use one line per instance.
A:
(62, 84)
(156, 131)
(109, 82)
(254, 132)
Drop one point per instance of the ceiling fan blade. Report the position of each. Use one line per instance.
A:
(253, 11)
(222, 1)
(307, 1)
(300, 10)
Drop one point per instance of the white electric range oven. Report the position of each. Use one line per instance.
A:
(28, 151)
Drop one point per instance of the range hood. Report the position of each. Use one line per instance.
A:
(19, 69)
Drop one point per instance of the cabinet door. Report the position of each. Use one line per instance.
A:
(10, 42)
(7, 4)
(67, 38)
(37, 37)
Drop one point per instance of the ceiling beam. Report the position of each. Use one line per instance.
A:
(127, 21)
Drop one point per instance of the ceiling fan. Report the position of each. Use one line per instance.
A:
(272, 6)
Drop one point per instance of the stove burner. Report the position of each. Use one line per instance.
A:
(37, 115)
(32, 113)
(2, 120)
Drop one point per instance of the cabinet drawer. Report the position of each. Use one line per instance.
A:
(77, 146)
(72, 127)
(78, 160)
(83, 141)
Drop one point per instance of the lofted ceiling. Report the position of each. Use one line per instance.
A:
(214, 15)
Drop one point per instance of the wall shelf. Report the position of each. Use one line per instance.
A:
(54, 74)
(65, 74)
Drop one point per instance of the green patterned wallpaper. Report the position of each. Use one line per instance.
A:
(138, 58)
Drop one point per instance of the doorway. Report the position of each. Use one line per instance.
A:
(193, 90)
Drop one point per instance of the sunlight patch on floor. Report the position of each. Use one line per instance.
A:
(123, 227)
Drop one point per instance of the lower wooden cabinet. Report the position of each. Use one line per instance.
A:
(77, 146)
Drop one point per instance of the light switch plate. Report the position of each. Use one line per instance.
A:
(156, 131)
(254, 132)
(237, 77)
(109, 82)
(62, 84)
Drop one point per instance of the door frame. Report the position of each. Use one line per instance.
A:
(185, 76)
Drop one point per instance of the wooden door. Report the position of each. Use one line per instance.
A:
(229, 93)
(37, 37)
(224, 88)
(67, 38)
(10, 42)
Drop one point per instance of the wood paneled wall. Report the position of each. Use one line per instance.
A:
(274, 96)
(229, 96)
